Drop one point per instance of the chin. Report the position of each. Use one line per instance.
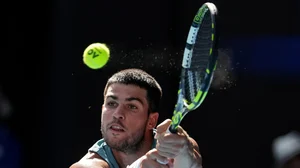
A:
(115, 138)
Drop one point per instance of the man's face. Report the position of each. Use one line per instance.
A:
(124, 117)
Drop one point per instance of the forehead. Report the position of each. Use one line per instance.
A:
(123, 91)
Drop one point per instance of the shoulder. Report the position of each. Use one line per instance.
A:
(90, 160)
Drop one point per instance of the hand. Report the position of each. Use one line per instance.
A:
(170, 145)
(179, 146)
(150, 160)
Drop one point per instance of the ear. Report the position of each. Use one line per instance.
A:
(152, 120)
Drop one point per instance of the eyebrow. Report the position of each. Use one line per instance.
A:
(127, 99)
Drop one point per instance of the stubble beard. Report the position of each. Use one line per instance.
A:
(130, 145)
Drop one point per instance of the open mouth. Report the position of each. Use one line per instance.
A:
(117, 128)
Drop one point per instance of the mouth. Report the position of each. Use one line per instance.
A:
(116, 128)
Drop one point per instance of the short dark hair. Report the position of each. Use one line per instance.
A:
(142, 79)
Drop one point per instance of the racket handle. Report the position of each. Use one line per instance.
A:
(172, 129)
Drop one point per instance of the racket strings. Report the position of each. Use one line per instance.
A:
(192, 85)
(203, 43)
(194, 76)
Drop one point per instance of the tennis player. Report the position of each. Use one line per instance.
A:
(129, 117)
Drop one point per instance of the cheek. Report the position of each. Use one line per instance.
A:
(105, 116)
(136, 121)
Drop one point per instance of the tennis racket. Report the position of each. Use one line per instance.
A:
(198, 64)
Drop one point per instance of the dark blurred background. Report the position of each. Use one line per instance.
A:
(51, 101)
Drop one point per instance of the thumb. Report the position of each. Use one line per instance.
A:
(162, 127)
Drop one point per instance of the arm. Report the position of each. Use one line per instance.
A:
(180, 147)
(149, 160)
(90, 160)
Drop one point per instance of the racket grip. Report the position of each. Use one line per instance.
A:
(172, 129)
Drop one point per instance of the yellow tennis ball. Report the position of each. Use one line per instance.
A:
(96, 55)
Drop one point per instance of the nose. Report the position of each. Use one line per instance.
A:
(119, 113)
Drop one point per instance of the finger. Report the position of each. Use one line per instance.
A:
(162, 127)
(169, 148)
(166, 154)
(170, 138)
(187, 140)
(181, 131)
(154, 155)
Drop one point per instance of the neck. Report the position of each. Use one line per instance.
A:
(124, 159)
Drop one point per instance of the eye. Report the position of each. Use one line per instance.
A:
(111, 104)
(132, 107)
